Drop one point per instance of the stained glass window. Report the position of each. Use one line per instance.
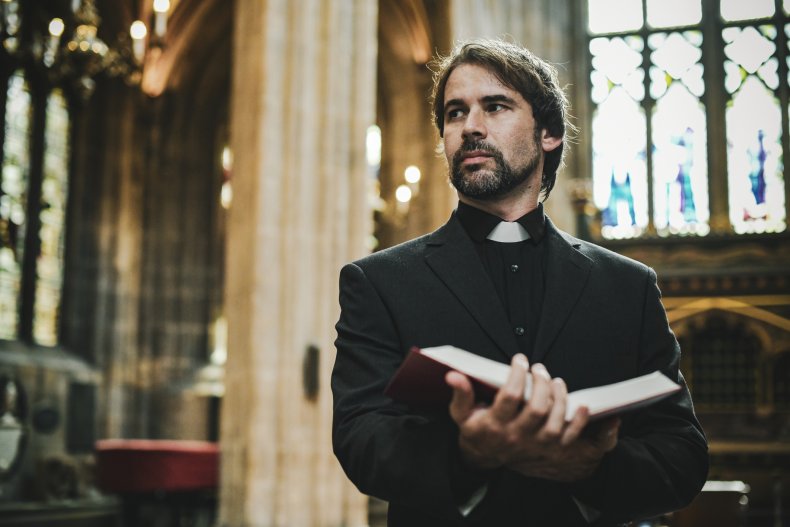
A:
(754, 131)
(650, 137)
(13, 198)
(49, 267)
(34, 175)
(679, 134)
(619, 170)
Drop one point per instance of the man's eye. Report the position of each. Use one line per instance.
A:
(495, 107)
(454, 114)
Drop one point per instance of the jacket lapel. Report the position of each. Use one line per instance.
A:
(567, 271)
(452, 256)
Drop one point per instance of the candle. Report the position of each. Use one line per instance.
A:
(138, 32)
(161, 7)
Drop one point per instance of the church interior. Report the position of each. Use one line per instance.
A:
(183, 179)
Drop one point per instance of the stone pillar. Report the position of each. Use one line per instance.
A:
(303, 96)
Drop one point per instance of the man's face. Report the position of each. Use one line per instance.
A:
(490, 139)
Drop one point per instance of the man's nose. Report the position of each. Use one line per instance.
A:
(474, 126)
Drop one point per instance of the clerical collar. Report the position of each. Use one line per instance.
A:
(478, 223)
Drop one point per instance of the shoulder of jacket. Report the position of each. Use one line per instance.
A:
(602, 255)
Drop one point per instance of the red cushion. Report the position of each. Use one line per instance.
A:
(145, 465)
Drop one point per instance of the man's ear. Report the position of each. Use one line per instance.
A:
(549, 142)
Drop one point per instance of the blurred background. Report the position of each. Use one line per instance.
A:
(182, 180)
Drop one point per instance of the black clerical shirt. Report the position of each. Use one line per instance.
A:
(517, 270)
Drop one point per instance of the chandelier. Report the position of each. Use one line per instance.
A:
(73, 51)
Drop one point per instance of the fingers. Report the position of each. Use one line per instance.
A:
(510, 397)
(555, 423)
(575, 427)
(540, 401)
(463, 401)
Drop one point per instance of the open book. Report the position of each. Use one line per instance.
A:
(420, 382)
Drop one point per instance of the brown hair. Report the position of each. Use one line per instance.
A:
(518, 68)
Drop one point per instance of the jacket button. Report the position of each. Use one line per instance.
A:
(519, 331)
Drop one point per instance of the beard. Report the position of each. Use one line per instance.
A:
(485, 184)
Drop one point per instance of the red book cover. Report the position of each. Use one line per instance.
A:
(420, 382)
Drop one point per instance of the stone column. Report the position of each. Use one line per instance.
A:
(303, 96)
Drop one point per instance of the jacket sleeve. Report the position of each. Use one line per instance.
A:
(661, 460)
(387, 452)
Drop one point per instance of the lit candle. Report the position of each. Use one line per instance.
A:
(161, 7)
(56, 27)
(138, 32)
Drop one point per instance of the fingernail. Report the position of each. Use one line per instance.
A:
(521, 360)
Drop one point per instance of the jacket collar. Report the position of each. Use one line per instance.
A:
(452, 256)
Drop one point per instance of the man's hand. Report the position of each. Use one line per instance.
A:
(533, 438)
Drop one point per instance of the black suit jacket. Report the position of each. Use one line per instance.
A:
(602, 321)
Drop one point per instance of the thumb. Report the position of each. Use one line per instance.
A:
(463, 401)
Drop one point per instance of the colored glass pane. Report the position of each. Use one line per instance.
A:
(754, 158)
(679, 134)
(742, 10)
(748, 47)
(49, 266)
(617, 62)
(619, 166)
(676, 57)
(669, 13)
(13, 197)
(614, 16)
(12, 21)
(680, 170)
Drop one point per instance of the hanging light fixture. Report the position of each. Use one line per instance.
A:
(73, 50)
(85, 53)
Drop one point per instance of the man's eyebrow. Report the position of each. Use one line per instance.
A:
(453, 102)
(499, 98)
(488, 99)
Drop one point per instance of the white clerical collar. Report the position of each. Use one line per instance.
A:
(508, 232)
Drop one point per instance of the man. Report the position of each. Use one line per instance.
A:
(501, 281)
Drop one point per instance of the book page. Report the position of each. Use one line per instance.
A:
(601, 400)
(485, 370)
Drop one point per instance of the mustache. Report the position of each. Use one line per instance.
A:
(477, 146)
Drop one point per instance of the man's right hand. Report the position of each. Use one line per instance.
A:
(532, 438)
